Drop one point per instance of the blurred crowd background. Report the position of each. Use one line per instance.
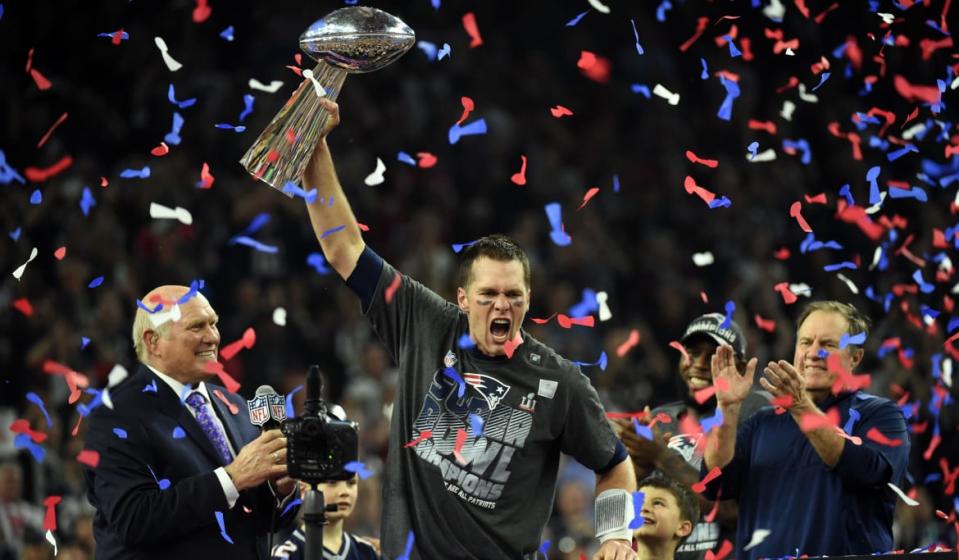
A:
(634, 240)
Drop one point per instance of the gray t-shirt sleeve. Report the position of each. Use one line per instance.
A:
(587, 435)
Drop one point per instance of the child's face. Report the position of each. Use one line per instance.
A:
(661, 517)
(340, 492)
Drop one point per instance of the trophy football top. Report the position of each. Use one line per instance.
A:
(357, 39)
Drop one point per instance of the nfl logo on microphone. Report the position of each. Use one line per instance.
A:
(259, 410)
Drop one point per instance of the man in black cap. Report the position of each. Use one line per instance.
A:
(675, 448)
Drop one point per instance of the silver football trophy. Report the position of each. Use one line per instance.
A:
(352, 40)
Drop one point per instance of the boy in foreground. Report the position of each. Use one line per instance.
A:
(669, 513)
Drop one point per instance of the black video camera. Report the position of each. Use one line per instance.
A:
(318, 446)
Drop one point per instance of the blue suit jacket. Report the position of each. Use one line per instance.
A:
(135, 518)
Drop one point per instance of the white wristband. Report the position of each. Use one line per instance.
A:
(614, 513)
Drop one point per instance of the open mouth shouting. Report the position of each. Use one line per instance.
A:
(499, 329)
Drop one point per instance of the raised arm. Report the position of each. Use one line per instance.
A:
(342, 248)
(731, 390)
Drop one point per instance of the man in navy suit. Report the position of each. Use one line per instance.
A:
(182, 472)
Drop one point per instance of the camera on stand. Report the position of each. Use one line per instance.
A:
(318, 447)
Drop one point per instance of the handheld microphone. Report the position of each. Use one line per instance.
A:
(267, 408)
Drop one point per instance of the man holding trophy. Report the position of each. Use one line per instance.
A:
(482, 410)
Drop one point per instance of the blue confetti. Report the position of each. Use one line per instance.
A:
(642, 89)
(15, 234)
(358, 468)
(87, 201)
(84, 341)
(227, 33)
(641, 430)
(23, 441)
(476, 127)
(162, 483)
(824, 354)
(332, 230)
(851, 422)
(178, 433)
(195, 287)
(457, 247)
(123, 35)
(292, 189)
(256, 224)
(150, 387)
(476, 424)
(466, 341)
(250, 242)
(409, 547)
(406, 158)
(554, 215)
(822, 80)
(543, 548)
(120, 433)
(575, 20)
(444, 52)
(733, 51)
(923, 287)
(36, 197)
(173, 137)
(86, 409)
(801, 145)
(840, 266)
(602, 362)
(96, 282)
(136, 173)
(713, 421)
(639, 48)
(894, 155)
(704, 75)
(616, 183)
(730, 309)
(293, 503)
(247, 106)
(915, 192)
(871, 176)
(226, 126)
(171, 95)
(290, 413)
(845, 192)
(35, 399)
(7, 173)
(589, 304)
(428, 48)
(219, 521)
(638, 499)
(455, 376)
(661, 10)
(753, 149)
(318, 262)
(721, 202)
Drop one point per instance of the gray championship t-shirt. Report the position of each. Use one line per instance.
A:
(463, 495)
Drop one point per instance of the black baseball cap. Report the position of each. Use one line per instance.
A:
(711, 326)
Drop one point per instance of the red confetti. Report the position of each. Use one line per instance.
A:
(705, 394)
(910, 92)
(89, 457)
(42, 82)
(704, 297)
(767, 325)
(457, 450)
(949, 478)
(682, 350)
(588, 196)
(724, 551)
(46, 136)
(206, 178)
(700, 27)
(782, 253)
(160, 150)
(817, 199)
(795, 211)
(519, 177)
(104, 182)
(23, 306)
(424, 435)
(50, 517)
(469, 24)
(875, 435)
(225, 378)
(692, 188)
(21, 426)
(768, 126)
(793, 82)
(812, 421)
(247, 341)
(75, 381)
(712, 475)
(511, 345)
(29, 60)
(788, 296)
(117, 37)
(931, 448)
(711, 516)
(468, 107)
(801, 6)
(631, 341)
(363, 227)
(37, 175)
(234, 410)
(712, 163)
(391, 289)
(291, 136)
(819, 19)
(560, 111)
(201, 12)
(596, 68)
(426, 160)
(854, 140)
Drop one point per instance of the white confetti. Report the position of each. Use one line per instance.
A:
(947, 372)
(790, 52)
(877, 206)
(661, 91)
(171, 64)
(19, 271)
(955, 83)
(601, 8)
(788, 108)
(274, 86)
(161, 212)
(604, 313)
(801, 289)
(913, 130)
(886, 17)
(161, 317)
(376, 177)
(876, 256)
(703, 259)
(908, 501)
(945, 264)
(759, 535)
(768, 154)
(775, 11)
(807, 97)
(279, 316)
(52, 541)
(849, 283)
(320, 90)
(116, 375)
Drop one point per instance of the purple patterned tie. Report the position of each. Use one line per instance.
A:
(204, 416)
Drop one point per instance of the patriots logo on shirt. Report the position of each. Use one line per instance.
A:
(488, 387)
